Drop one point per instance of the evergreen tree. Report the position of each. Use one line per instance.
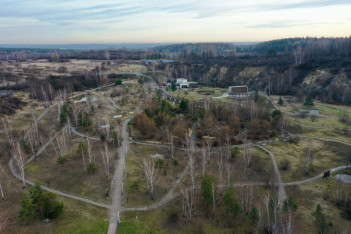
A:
(232, 204)
(173, 86)
(49, 207)
(206, 190)
(308, 101)
(280, 101)
(320, 218)
(27, 211)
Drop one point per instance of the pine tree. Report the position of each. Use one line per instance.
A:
(27, 212)
(320, 218)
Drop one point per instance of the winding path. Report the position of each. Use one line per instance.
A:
(281, 189)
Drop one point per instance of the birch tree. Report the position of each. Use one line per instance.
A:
(1, 183)
(106, 156)
(7, 123)
(308, 159)
(4, 222)
(75, 111)
(258, 223)
(151, 174)
(19, 159)
(190, 203)
(266, 202)
(82, 150)
(204, 159)
(220, 169)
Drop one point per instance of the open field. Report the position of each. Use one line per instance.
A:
(135, 184)
(292, 104)
(71, 177)
(322, 192)
(325, 155)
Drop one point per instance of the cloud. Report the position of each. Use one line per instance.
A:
(166, 19)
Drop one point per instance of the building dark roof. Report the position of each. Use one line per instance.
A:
(238, 89)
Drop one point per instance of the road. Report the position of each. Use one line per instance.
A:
(117, 182)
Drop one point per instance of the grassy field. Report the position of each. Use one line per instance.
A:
(320, 122)
(71, 177)
(135, 185)
(291, 104)
(325, 133)
(319, 192)
(325, 155)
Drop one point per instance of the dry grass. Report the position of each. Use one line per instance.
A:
(71, 177)
(325, 155)
(308, 196)
(135, 185)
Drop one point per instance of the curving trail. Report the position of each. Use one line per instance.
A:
(82, 135)
(172, 194)
(314, 178)
(281, 190)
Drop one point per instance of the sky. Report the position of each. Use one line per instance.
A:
(170, 21)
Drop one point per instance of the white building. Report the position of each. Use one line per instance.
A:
(182, 83)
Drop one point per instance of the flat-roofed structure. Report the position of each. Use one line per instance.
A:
(239, 91)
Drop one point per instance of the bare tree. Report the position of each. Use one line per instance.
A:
(7, 123)
(170, 138)
(106, 156)
(151, 174)
(90, 156)
(266, 202)
(62, 140)
(1, 182)
(227, 161)
(45, 97)
(18, 157)
(213, 190)
(4, 222)
(75, 111)
(308, 159)
(220, 168)
(191, 157)
(204, 159)
(190, 202)
(105, 128)
(258, 223)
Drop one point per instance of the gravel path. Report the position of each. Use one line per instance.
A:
(281, 190)
(117, 182)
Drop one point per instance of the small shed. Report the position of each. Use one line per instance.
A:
(312, 112)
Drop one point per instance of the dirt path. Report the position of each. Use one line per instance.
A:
(172, 194)
(314, 178)
(281, 189)
(117, 182)
(82, 135)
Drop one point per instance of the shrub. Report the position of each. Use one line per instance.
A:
(62, 69)
(159, 163)
(40, 204)
(92, 168)
(49, 207)
(172, 217)
(62, 160)
(284, 165)
(175, 162)
(118, 82)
